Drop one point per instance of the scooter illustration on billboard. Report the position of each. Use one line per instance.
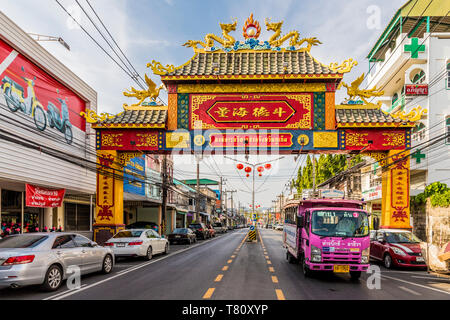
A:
(30, 105)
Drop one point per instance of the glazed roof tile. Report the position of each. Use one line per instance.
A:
(252, 63)
(363, 116)
(147, 116)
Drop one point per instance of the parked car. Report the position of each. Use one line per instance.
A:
(200, 230)
(182, 235)
(395, 247)
(212, 232)
(44, 258)
(269, 226)
(137, 243)
(142, 225)
(279, 227)
(219, 227)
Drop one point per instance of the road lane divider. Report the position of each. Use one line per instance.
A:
(209, 293)
(218, 278)
(416, 284)
(280, 295)
(410, 291)
(274, 279)
(271, 269)
(225, 268)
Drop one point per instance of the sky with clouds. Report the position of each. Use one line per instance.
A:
(156, 29)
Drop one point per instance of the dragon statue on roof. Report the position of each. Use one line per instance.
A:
(152, 92)
(353, 91)
(294, 36)
(227, 41)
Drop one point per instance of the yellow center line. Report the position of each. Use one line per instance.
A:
(274, 279)
(271, 269)
(280, 295)
(230, 261)
(267, 257)
(209, 293)
(268, 262)
(225, 268)
(219, 277)
(233, 256)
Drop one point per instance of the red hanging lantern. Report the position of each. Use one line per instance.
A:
(240, 166)
(268, 166)
(248, 169)
(260, 169)
(248, 175)
(260, 174)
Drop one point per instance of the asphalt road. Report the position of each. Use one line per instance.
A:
(228, 267)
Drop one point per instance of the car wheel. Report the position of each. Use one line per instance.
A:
(305, 269)
(107, 264)
(149, 253)
(53, 278)
(290, 258)
(166, 249)
(387, 261)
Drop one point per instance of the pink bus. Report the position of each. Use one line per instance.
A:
(327, 235)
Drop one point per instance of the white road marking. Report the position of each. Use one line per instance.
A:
(72, 292)
(416, 284)
(410, 291)
(64, 292)
(431, 278)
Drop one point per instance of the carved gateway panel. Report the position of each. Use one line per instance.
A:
(251, 111)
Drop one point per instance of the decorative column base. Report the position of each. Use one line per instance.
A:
(104, 232)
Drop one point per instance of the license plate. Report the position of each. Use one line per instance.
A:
(420, 259)
(177, 236)
(120, 244)
(341, 268)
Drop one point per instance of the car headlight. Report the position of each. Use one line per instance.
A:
(365, 255)
(316, 258)
(398, 251)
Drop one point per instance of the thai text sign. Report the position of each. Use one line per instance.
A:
(223, 140)
(43, 197)
(416, 89)
(251, 111)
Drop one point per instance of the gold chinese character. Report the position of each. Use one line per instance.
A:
(261, 112)
(241, 112)
(222, 112)
(279, 111)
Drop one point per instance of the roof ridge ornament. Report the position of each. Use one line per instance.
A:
(344, 67)
(414, 115)
(227, 40)
(151, 92)
(353, 91)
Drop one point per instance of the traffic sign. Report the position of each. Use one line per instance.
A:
(252, 228)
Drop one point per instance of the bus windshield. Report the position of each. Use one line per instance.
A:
(339, 223)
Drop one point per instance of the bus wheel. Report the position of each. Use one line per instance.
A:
(305, 269)
(289, 257)
(354, 275)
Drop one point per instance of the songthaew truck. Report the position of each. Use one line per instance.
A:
(327, 235)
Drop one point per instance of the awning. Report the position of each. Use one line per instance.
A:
(204, 213)
(181, 212)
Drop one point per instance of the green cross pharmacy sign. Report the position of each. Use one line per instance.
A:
(414, 48)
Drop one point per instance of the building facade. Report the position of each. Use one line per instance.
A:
(45, 142)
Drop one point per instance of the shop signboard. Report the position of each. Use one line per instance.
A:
(37, 106)
(416, 89)
(372, 193)
(134, 176)
(43, 197)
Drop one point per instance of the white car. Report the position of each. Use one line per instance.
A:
(137, 242)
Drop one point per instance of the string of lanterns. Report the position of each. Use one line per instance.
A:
(248, 169)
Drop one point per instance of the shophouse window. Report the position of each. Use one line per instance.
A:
(418, 132)
(77, 217)
(419, 77)
(447, 125)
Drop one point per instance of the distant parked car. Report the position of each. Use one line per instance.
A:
(142, 225)
(279, 227)
(219, 227)
(43, 258)
(137, 243)
(212, 232)
(200, 230)
(182, 235)
(395, 247)
(269, 226)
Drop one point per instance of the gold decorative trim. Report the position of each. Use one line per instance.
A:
(251, 87)
(325, 139)
(344, 67)
(92, 117)
(253, 77)
(414, 115)
(161, 70)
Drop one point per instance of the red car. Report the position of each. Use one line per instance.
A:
(400, 248)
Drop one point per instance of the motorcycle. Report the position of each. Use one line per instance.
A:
(60, 120)
(15, 100)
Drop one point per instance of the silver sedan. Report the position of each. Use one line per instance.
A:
(138, 243)
(44, 258)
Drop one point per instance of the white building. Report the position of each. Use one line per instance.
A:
(44, 141)
(411, 63)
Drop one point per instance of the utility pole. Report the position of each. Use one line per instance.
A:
(232, 205)
(164, 195)
(197, 198)
(314, 175)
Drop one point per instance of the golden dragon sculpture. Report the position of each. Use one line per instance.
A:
(353, 91)
(227, 40)
(152, 92)
(293, 35)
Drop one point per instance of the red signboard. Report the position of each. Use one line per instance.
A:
(127, 139)
(27, 88)
(251, 111)
(416, 89)
(386, 139)
(43, 198)
(233, 140)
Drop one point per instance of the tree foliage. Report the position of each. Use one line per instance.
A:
(438, 193)
(327, 166)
